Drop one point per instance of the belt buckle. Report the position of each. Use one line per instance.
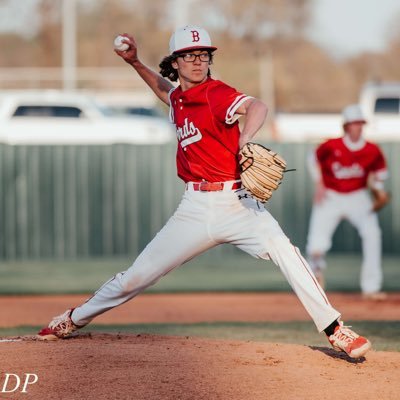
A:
(211, 186)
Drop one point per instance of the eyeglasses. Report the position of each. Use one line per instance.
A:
(190, 57)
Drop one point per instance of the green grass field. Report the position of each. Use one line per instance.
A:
(232, 273)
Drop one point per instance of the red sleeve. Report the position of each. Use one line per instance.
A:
(323, 151)
(224, 101)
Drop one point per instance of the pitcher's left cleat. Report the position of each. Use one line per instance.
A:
(59, 328)
(344, 339)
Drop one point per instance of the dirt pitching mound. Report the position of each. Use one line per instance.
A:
(105, 366)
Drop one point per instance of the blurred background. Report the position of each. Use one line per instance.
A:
(315, 55)
(87, 163)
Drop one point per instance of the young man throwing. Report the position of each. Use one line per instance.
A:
(215, 208)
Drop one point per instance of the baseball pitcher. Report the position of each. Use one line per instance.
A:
(226, 179)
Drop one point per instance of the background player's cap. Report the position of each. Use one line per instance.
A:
(190, 38)
(352, 113)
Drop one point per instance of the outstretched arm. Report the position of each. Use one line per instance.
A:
(156, 82)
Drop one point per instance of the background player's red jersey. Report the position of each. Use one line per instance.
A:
(346, 170)
(207, 131)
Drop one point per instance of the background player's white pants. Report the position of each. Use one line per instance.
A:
(356, 208)
(204, 220)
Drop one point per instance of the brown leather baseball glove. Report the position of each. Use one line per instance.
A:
(261, 170)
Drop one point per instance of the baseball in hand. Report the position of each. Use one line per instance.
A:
(119, 44)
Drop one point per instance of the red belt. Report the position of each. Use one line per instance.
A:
(214, 186)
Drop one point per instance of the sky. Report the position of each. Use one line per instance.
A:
(344, 28)
(348, 27)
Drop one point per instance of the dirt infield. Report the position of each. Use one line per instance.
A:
(114, 366)
(199, 307)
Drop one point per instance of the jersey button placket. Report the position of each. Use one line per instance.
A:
(181, 108)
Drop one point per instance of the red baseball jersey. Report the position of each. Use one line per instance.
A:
(207, 131)
(346, 170)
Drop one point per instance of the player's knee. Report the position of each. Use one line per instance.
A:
(316, 260)
(373, 233)
(134, 282)
(279, 247)
(318, 245)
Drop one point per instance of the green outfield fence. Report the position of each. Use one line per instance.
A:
(88, 201)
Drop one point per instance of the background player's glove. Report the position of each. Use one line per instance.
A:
(379, 199)
(261, 170)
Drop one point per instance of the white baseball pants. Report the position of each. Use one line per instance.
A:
(204, 220)
(356, 207)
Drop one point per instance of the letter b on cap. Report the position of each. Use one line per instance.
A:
(195, 36)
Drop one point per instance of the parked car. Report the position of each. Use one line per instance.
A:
(130, 103)
(380, 103)
(60, 118)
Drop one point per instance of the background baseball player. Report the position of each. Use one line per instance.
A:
(215, 208)
(344, 169)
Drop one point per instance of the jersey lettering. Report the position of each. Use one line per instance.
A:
(207, 145)
(195, 36)
(188, 133)
(342, 172)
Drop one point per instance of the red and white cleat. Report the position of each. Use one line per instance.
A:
(344, 339)
(59, 328)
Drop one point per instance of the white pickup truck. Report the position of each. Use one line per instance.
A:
(380, 103)
(55, 117)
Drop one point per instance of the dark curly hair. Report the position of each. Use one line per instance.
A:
(168, 71)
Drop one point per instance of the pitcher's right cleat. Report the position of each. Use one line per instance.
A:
(344, 339)
(59, 328)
